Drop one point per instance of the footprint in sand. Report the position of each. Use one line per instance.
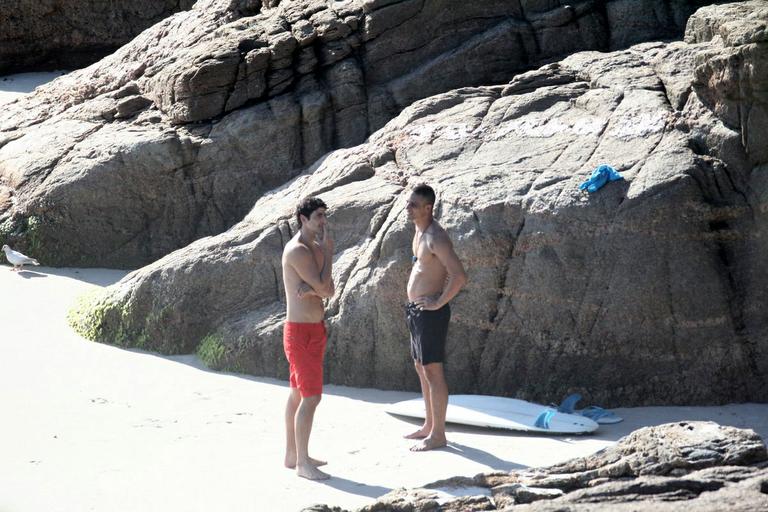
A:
(151, 423)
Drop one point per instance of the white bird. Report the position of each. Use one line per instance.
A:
(17, 259)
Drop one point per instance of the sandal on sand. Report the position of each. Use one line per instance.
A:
(600, 415)
(593, 412)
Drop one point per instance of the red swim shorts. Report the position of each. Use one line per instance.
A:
(304, 345)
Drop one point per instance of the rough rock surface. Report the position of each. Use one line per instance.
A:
(652, 290)
(67, 34)
(683, 466)
(177, 134)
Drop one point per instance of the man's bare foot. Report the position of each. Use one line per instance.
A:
(290, 462)
(419, 434)
(310, 472)
(429, 443)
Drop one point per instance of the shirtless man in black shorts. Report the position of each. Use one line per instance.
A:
(436, 277)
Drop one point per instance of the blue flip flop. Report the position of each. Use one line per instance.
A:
(600, 415)
(593, 412)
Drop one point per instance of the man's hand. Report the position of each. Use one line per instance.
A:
(305, 291)
(325, 241)
(428, 303)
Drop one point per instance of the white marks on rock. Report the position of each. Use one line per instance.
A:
(543, 127)
(628, 126)
(533, 127)
(639, 125)
(431, 132)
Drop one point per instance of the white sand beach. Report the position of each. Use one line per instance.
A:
(90, 427)
(15, 86)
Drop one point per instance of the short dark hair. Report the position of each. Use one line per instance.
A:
(307, 206)
(425, 191)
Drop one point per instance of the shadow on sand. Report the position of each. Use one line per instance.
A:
(97, 276)
(752, 416)
(353, 487)
(482, 457)
(30, 274)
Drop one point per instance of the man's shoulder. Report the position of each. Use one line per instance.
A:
(295, 248)
(438, 235)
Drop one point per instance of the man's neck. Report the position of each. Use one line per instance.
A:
(306, 236)
(423, 224)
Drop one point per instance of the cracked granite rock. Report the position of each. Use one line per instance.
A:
(236, 97)
(676, 467)
(651, 291)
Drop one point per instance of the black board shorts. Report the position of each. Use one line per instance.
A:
(429, 330)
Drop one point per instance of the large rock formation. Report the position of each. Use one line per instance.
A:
(178, 133)
(66, 34)
(675, 467)
(652, 290)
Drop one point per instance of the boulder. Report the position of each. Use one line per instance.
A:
(682, 466)
(233, 98)
(649, 291)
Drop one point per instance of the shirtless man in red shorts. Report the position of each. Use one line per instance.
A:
(307, 261)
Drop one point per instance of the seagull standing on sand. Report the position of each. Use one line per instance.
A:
(17, 259)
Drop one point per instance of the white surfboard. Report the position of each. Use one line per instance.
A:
(501, 412)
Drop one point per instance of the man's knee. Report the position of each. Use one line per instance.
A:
(311, 401)
(433, 370)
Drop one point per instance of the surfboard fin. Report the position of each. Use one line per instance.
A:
(568, 405)
(543, 419)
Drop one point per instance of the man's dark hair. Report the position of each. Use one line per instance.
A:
(307, 206)
(425, 191)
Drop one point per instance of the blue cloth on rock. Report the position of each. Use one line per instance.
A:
(600, 176)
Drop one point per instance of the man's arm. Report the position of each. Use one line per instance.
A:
(442, 248)
(320, 281)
